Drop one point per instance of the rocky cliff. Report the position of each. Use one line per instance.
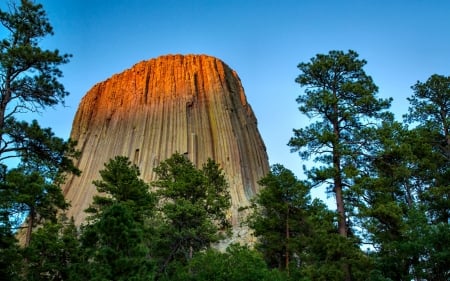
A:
(192, 104)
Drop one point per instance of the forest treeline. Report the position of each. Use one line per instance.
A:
(390, 180)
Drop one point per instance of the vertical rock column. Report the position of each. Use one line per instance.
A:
(192, 104)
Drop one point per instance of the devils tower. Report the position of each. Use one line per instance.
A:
(192, 104)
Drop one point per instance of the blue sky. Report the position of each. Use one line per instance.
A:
(403, 41)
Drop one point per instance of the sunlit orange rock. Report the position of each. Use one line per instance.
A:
(192, 104)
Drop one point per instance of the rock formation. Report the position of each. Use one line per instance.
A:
(192, 104)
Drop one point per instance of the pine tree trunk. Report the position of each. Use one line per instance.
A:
(342, 228)
(287, 242)
(338, 189)
(342, 225)
(5, 98)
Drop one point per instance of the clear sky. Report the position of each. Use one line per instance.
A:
(402, 40)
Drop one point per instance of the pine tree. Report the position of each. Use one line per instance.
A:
(114, 241)
(341, 98)
(193, 205)
(121, 184)
(237, 263)
(54, 253)
(430, 112)
(29, 80)
(279, 217)
(29, 193)
(29, 83)
(298, 235)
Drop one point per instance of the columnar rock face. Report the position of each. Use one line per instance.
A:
(192, 104)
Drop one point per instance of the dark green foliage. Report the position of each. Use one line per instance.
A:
(121, 183)
(128, 239)
(389, 209)
(115, 247)
(10, 253)
(39, 149)
(193, 203)
(114, 242)
(299, 236)
(27, 192)
(430, 111)
(279, 217)
(437, 251)
(430, 104)
(391, 182)
(238, 263)
(54, 253)
(341, 96)
(29, 80)
(30, 73)
(29, 83)
(404, 204)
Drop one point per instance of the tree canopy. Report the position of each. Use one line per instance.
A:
(194, 204)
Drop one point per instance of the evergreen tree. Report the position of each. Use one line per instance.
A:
(121, 184)
(193, 205)
(430, 111)
(388, 206)
(54, 253)
(298, 235)
(280, 218)
(114, 241)
(326, 252)
(10, 254)
(29, 80)
(115, 248)
(41, 151)
(341, 98)
(237, 263)
(29, 84)
(400, 223)
(28, 193)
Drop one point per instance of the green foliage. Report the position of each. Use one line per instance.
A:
(430, 104)
(29, 80)
(299, 236)
(428, 222)
(10, 254)
(114, 242)
(29, 83)
(54, 253)
(391, 183)
(121, 184)
(404, 189)
(430, 111)
(40, 150)
(27, 192)
(237, 263)
(334, 80)
(115, 246)
(279, 217)
(341, 98)
(193, 203)
(30, 74)
(437, 252)
(32, 191)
